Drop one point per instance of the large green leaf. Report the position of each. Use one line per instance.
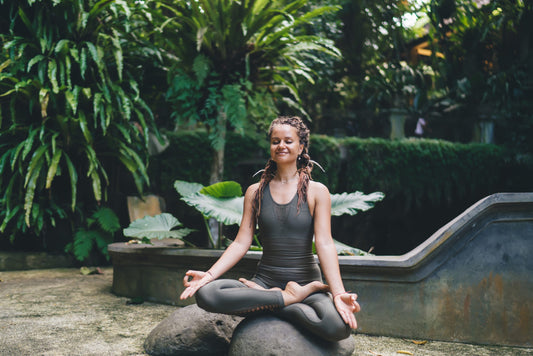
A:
(223, 190)
(228, 211)
(352, 203)
(186, 188)
(158, 226)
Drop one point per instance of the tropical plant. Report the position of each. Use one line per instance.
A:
(487, 62)
(70, 110)
(99, 232)
(392, 85)
(224, 202)
(157, 227)
(236, 61)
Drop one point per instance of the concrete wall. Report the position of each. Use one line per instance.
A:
(471, 281)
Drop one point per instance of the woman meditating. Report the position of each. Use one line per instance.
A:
(288, 208)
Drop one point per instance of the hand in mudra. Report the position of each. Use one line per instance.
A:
(199, 279)
(346, 304)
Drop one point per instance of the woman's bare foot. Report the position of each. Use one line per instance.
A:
(251, 284)
(295, 293)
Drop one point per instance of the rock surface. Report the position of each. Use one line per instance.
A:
(269, 335)
(192, 331)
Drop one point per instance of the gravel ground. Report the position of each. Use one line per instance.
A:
(63, 312)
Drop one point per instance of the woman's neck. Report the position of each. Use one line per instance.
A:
(285, 176)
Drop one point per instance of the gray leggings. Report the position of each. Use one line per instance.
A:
(316, 313)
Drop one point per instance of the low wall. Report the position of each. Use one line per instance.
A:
(471, 281)
(13, 260)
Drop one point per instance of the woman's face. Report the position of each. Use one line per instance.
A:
(284, 144)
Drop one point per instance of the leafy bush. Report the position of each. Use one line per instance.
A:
(422, 171)
(98, 233)
(325, 150)
(71, 111)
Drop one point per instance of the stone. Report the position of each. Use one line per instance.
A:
(192, 331)
(269, 335)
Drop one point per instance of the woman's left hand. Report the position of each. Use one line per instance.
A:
(346, 304)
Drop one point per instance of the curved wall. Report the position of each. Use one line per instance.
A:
(471, 281)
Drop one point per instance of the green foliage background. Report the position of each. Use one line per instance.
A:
(81, 79)
(72, 120)
(426, 182)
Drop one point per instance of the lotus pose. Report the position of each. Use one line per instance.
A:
(288, 208)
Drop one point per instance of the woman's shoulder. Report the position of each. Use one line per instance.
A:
(252, 189)
(318, 190)
(317, 187)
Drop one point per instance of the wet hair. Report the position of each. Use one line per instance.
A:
(304, 164)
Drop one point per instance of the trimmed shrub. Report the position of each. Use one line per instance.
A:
(421, 171)
(426, 182)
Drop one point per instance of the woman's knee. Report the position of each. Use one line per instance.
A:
(205, 297)
(331, 326)
(336, 329)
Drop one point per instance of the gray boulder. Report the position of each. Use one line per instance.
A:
(192, 331)
(269, 335)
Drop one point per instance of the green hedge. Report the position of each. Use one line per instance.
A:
(325, 150)
(421, 171)
(426, 182)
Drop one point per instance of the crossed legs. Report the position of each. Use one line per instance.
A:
(305, 306)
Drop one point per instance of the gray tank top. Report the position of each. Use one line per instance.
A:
(286, 235)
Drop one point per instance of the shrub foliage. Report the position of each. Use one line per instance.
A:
(68, 103)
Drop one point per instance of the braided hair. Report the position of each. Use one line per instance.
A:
(304, 164)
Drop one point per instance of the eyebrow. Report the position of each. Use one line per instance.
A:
(286, 137)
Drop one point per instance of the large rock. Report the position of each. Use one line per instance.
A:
(192, 331)
(269, 335)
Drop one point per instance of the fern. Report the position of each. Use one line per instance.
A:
(107, 220)
(83, 243)
(99, 233)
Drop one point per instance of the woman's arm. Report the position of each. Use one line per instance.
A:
(233, 254)
(327, 254)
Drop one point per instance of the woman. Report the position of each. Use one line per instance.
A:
(289, 209)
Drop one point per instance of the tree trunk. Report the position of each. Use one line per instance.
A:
(217, 165)
(217, 172)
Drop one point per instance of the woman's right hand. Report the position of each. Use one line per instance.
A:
(199, 279)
